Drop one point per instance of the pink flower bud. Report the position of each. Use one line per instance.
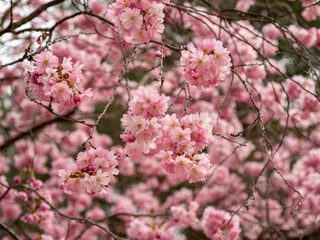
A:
(158, 54)
(17, 179)
(38, 40)
(62, 185)
(91, 167)
(128, 138)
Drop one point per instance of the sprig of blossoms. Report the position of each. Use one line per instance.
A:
(96, 168)
(142, 20)
(206, 65)
(142, 128)
(56, 82)
(175, 142)
(182, 140)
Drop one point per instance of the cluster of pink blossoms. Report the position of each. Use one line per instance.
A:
(206, 65)
(175, 142)
(215, 224)
(96, 168)
(58, 83)
(142, 20)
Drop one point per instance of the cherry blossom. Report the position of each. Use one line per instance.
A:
(207, 65)
(143, 20)
(56, 83)
(96, 168)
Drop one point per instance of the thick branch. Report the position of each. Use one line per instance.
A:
(34, 14)
(33, 129)
(9, 231)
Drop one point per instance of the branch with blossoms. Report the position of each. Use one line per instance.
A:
(81, 220)
(61, 83)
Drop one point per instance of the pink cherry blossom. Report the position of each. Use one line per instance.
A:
(207, 65)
